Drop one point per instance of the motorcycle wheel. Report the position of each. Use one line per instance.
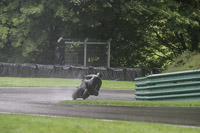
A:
(85, 95)
(77, 93)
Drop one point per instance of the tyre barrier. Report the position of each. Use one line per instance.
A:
(65, 71)
(184, 85)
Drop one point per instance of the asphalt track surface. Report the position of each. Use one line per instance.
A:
(44, 101)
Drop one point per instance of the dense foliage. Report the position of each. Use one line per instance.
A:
(145, 33)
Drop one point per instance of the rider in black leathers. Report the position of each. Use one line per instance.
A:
(93, 84)
(90, 86)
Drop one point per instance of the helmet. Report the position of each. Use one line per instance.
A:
(99, 75)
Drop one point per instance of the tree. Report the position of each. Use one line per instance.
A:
(164, 29)
(145, 33)
(30, 29)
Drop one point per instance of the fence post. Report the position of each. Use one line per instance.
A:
(109, 53)
(85, 52)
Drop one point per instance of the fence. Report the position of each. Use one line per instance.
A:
(64, 71)
(183, 85)
(86, 53)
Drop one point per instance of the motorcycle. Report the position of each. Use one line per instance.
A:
(89, 86)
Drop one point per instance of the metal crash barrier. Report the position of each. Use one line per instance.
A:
(184, 85)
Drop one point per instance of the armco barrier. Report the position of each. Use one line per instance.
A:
(184, 85)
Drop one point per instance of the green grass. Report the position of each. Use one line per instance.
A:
(186, 61)
(60, 82)
(34, 124)
(136, 103)
(38, 82)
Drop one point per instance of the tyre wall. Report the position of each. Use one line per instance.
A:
(59, 71)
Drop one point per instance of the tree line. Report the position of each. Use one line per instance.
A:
(145, 33)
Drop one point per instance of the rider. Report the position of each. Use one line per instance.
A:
(90, 86)
(93, 84)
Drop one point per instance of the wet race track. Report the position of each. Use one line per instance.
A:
(44, 101)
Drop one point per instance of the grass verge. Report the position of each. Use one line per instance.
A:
(186, 61)
(136, 103)
(36, 124)
(59, 82)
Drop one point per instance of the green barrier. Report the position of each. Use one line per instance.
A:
(183, 85)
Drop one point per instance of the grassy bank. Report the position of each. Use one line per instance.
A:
(136, 103)
(35, 124)
(186, 61)
(60, 82)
